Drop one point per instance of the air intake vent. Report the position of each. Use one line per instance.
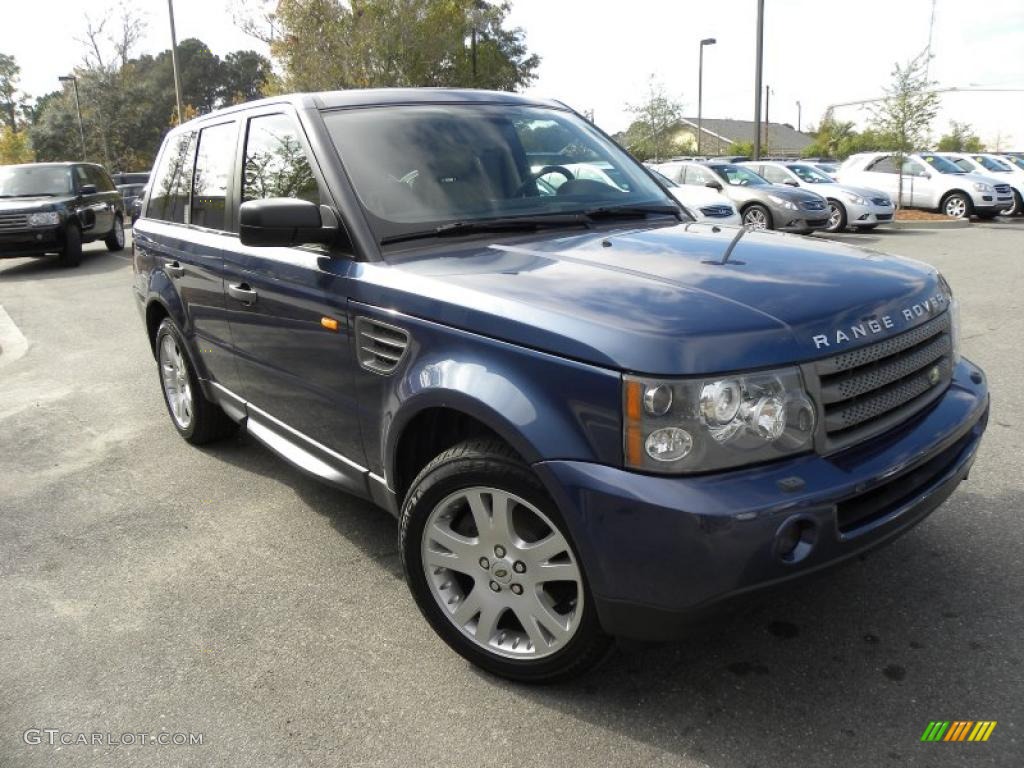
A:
(380, 347)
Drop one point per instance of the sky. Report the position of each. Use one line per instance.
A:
(600, 55)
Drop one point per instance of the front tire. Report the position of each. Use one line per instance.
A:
(492, 568)
(71, 253)
(836, 217)
(957, 205)
(115, 240)
(196, 418)
(756, 216)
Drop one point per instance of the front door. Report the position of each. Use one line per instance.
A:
(287, 306)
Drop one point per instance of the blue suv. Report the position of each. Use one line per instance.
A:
(593, 417)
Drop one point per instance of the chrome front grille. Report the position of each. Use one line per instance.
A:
(1002, 189)
(13, 221)
(867, 390)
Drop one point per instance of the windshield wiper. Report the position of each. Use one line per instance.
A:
(631, 211)
(509, 224)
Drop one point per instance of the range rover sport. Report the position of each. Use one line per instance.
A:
(592, 416)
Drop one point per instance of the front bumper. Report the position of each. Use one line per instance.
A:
(30, 242)
(862, 215)
(658, 550)
(788, 220)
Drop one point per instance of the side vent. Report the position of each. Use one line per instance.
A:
(380, 347)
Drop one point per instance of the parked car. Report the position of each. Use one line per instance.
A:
(857, 207)
(827, 167)
(702, 203)
(930, 181)
(762, 205)
(1001, 170)
(591, 418)
(53, 208)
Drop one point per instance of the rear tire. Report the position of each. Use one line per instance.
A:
(71, 253)
(115, 240)
(196, 418)
(491, 581)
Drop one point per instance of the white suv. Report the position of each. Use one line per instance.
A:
(930, 181)
(1001, 170)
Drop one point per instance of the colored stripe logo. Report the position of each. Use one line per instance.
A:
(959, 730)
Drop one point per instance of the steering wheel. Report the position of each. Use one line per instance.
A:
(523, 188)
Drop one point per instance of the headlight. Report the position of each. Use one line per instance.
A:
(982, 187)
(696, 425)
(48, 219)
(855, 198)
(954, 318)
(783, 202)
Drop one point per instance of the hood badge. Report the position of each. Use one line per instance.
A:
(876, 325)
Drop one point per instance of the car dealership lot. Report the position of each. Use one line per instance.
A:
(148, 586)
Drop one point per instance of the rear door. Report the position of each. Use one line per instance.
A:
(100, 201)
(884, 175)
(191, 256)
(288, 306)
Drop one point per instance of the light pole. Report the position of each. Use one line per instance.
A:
(73, 79)
(798, 113)
(700, 90)
(174, 59)
(759, 59)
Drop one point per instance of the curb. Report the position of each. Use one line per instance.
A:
(925, 224)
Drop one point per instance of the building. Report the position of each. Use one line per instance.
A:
(719, 135)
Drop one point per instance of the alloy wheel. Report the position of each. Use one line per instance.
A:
(956, 207)
(502, 573)
(755, 219)
(834, 217)
(177, 387)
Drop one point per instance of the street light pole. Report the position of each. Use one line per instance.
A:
(798, 113)
(700, 90)
(78, 106)
(759, 59)
(174, 60)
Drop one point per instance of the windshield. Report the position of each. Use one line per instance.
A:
(1018, 161)
(34, 180)
(810, 175)
(991, 164)
(738, 176)
(941, 164)
(434, 164)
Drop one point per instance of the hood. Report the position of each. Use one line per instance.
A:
(867, 192)
(661, 300)
(27, 204)
(796, 194)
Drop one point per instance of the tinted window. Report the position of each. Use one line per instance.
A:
(809, 174)
(910, 168)
(168, 199)
(34, 180)
(883, 165)
(99, 178)
(738, 176)
(214, 159)
(275, 162)
(697, 175)
(941, 164)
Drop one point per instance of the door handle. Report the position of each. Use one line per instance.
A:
(174, 269)
(243, 293)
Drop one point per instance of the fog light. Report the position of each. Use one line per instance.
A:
(668, 444)
(795, 539)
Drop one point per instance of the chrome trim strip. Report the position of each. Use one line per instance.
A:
(382, 480)
(316, 444)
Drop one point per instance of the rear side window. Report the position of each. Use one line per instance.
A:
(883, 165)
(168, 198)
(275, 162)
(214, 159)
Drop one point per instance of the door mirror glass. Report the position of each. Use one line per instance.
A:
(714, 185)
(284, 221)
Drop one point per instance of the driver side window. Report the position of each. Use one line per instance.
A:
(697, 176)
(774, 175)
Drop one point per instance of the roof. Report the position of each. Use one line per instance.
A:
(780, 136)
(370, 97)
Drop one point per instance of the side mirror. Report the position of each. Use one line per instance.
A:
(714, 185)
(89, 189)
(791, 183)
(284, 221)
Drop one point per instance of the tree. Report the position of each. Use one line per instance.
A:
(244, 76)
(330, 44)
(742, 148)
(651, 135)
(908, 109)
(12, 101)
(14, 147)
(960, 139)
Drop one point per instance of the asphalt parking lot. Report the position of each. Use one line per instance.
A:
(148, 586)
